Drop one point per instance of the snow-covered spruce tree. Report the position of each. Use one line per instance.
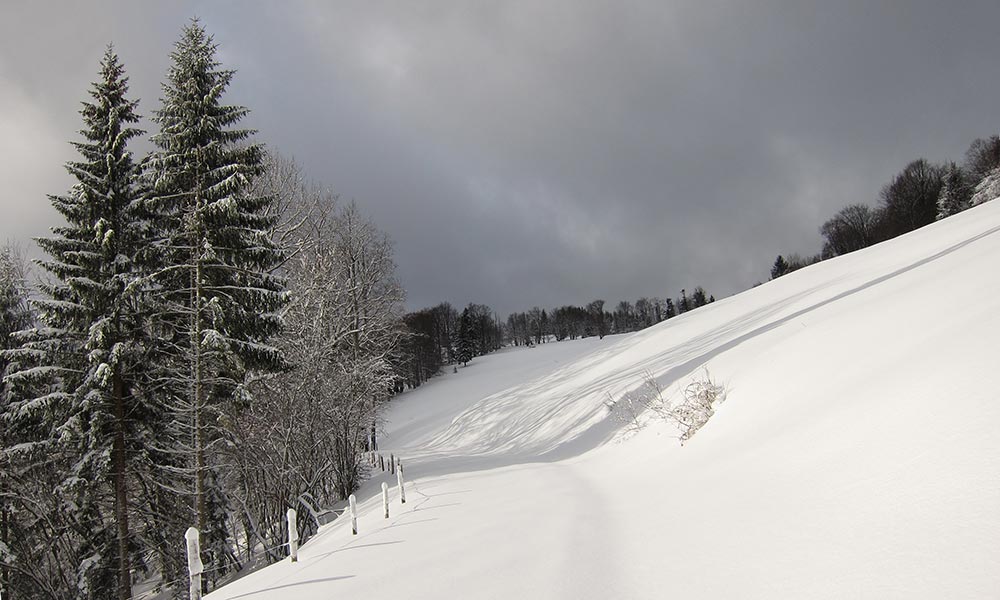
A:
(14, 316)
(988, 189)
(40, 541)
(82, 369)
(955, 192)
(210, 265)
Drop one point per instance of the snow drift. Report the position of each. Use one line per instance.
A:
(856, 456)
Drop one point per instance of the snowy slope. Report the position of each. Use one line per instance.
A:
(857, 454)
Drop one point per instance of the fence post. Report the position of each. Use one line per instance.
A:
(399, 482)
(385, 498)
(354, 514)
(392, 464)
(195, 566)
(293, 535)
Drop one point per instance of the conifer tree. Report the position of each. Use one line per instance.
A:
(779, 268)
(466, 338)
(683, 304)
(80, 372)
(699, 297)
(670, 311)
(14, 316)
(955, 192)
(211, 263)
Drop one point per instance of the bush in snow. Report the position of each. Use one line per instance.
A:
(697, 405)
(630, 408)
(695, 408)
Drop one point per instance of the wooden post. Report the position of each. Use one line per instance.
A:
(195, 566)
(392, 464)
(399, 483)
(293, 535)
(354, 514)
(381, 462)
(385, 498)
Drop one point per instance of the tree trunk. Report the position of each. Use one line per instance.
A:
(121, 492)
(198, 391)
(5, 538)
(199, 429)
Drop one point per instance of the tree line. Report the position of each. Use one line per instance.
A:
(441, 335)
(211, 344)
(923, 192)
(435, 337)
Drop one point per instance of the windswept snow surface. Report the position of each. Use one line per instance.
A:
(857, 454)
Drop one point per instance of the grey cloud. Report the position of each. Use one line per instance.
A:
(526, 153)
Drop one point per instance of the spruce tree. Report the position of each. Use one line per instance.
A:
(955, 192)
(80, 373)
(779, 268)
(466, 338)
(211, 263)
(14, 316)
(699, 297)
(671, 312)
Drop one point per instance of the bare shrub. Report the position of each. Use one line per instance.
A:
(634, 403)
(697, 405)
(695, 408)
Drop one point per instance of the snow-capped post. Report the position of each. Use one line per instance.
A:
(399, 483)
(354, 513)
(293, 535)
(195, 566)
(385, 499)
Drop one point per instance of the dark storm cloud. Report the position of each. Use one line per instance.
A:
(527, 153)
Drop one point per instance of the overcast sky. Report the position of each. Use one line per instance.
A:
(543, 152)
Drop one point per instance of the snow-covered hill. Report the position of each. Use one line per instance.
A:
(856, 456)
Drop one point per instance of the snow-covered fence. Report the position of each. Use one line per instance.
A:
(354, 513)
(399, 483)
(293, 535)
(195, 566)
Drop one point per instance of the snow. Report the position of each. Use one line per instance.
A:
(856, 455)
